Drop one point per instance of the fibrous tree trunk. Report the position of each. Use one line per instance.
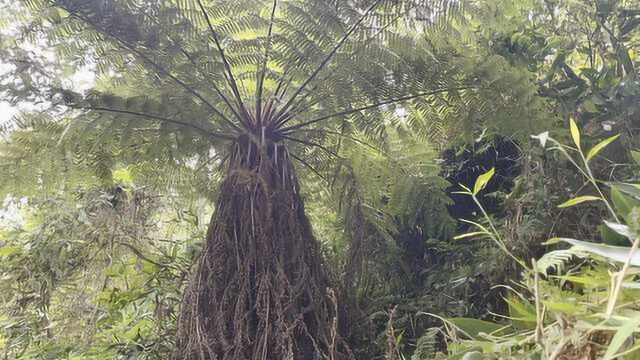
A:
(259, 290)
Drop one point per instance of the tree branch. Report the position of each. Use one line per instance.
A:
(231, 79)
(288, 130)
(352, 138)
(158, 118)
(307, 165)
(312, 144)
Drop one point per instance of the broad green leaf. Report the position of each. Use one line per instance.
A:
(612, 237)
(615, 253)
(601, 145)
(575, 132)
(473, 327)
(623, 203)
(483, 180)
(552, 241)
(627, 188)
(578, 200)
(627, 329)
(623, 230)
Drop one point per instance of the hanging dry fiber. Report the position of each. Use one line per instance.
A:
(259, 290)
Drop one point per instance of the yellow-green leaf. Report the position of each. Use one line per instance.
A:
(575, 132)
(483, 180)
(565, 306)
(627, 329)
(578, 200)
(8, 250)
(123, 176)
(552, 241)
(601, 145)
(522, 314)
(470, 234)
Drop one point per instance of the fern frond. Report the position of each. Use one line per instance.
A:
(558, 259)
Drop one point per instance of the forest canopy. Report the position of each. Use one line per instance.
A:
(319, 179)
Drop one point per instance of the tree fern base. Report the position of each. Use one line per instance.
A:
(259, 290)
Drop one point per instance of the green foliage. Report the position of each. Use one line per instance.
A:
(582, 311)
(94, 275)
(97, 272)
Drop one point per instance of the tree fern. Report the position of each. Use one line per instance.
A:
(257, 85)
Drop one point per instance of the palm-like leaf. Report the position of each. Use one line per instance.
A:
(281, 65)
(243, 81)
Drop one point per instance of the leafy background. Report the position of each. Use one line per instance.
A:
(112, 212)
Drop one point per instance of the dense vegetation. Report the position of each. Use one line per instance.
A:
(320, 179)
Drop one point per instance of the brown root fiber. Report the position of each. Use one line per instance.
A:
(259, 290)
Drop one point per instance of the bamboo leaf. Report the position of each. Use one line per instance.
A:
(627, 188)
(627, 329)
(578, 200)
(615, 253)
(625, 203)
(623, 230)
(625, 59)
(601, 145)
(483, 180)
(470, 234)
(565, 306)
(575, 132)
(521, 313)
(552, 241)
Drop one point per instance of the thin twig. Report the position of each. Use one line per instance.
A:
(620, 279)
(352, 138)
(308, 166)
(539, 312)
(312, 144)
